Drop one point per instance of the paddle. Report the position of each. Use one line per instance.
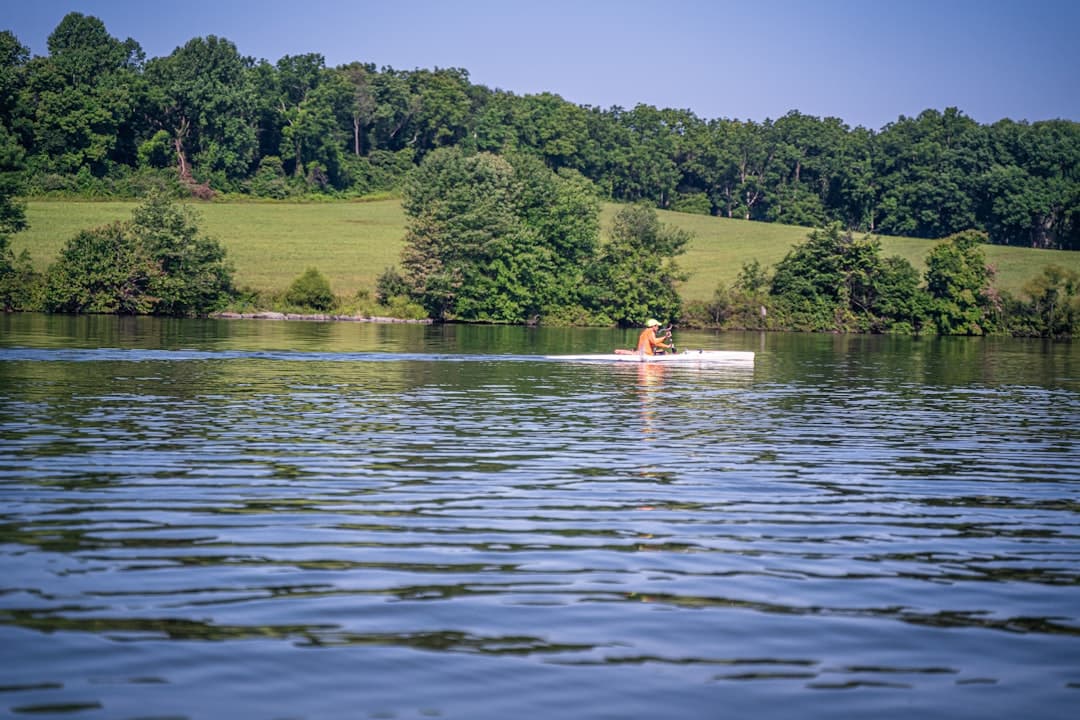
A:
(671, 341)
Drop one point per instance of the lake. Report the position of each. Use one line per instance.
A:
(271, 519)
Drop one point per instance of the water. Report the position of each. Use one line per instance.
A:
(281, 520)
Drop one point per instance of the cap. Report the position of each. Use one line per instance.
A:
(652, 322)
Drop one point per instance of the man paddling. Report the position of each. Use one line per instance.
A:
(648, 343)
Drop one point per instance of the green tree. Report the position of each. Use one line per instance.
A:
(496, 239)
(1031, 195)
(362, 104)
(900, 305)
(643, 163)
(835, 281)
(807, 165)
(635, 274)
(83, 97)
(856, 193)
(1055, 301)
(12, 219)
(443, 108)
(553, 128)
(958, 278)
(461, 236)
(206, 102)
(14, 58)
(929, 167)
(193, 275)
(104, 270)
(156, 263)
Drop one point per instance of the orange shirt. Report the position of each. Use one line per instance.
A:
(647, 342)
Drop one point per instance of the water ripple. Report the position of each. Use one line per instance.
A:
(741, 530)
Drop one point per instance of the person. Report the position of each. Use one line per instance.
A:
(648, 343)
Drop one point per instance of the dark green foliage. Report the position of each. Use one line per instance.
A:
(104, 270)
(635, 273)
(311, 291)
(15, 276)
(157, 263)
(496, 239)
(20, 285)
(194, 276)
(900, 304)
(834, 281)
(12, 209)
(390, 284)
(958, 279)
(1055, 303)
(270, 181)
(93, 108)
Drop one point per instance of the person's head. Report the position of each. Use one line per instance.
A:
(652, 322)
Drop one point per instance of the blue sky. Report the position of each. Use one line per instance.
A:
(865, 61)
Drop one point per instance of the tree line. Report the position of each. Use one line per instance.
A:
(837, 282)
(495, 238)
(97, 117)
(504, 239)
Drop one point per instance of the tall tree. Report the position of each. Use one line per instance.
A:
(636, 273)
(957, 278)
(553, 128)
(362, 105)
(1031, 195)
(207, 105)
(12, 219)
(496, 239)
(83, 97)
(929, 169)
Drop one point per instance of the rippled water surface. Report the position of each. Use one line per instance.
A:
(269, 520)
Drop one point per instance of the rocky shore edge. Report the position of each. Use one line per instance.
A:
(317, 317)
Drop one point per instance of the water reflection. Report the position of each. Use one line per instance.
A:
(650, 386)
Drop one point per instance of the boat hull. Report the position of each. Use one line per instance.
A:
(684, 357)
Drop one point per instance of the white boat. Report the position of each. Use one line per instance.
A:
(743, 357)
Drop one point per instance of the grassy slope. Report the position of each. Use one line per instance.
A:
(353, 242)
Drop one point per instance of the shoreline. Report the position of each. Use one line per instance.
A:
(316, 317)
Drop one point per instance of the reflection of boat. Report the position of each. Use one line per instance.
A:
(740, 357)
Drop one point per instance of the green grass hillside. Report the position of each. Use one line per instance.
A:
(351, 243)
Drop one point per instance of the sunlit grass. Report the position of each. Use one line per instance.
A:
(270, 244)
(351, 243)
(721, 246)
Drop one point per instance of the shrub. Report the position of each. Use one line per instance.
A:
(311, 290)
(157, 263)
(390, 284)
(104, 270)
(696, 203)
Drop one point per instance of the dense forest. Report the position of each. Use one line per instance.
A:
(96, 117)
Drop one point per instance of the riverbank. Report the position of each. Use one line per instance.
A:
(318, 317)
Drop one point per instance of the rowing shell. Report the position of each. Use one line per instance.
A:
(686, 356)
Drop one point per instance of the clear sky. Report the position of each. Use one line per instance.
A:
(865, 61)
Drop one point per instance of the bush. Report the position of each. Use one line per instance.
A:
(400, 306)
(154, 264)
(390, 284)
(696, 203)
(104, 270)
(270, 180)
(311, 290)
(194, 277)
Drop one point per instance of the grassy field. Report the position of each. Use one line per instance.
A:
(353, 242)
